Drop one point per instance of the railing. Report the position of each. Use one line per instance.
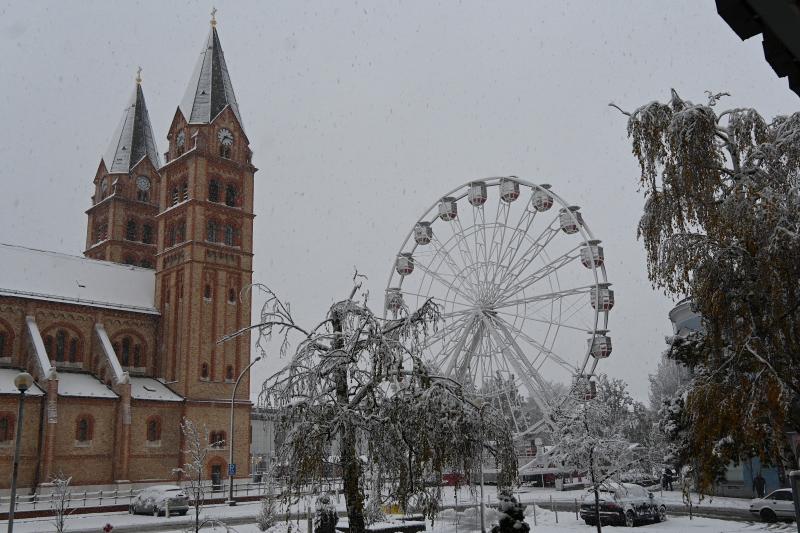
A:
(76, 498)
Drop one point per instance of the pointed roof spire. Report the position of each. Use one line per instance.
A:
(133, 139)
(210, 88)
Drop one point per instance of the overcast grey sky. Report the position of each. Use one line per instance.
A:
(362, 114)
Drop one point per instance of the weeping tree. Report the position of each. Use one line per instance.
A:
(591, 436)
(356, 382)
(721, 226)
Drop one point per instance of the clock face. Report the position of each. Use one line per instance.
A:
(143, 182)
(181, 138)
(225, 136)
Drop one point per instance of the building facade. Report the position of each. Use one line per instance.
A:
(123, 343)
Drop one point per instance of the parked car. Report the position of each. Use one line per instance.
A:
(775, 505)
(156, 500)
(625, 504)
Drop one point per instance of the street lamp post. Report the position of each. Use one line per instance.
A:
(231, 501)
(23, 382)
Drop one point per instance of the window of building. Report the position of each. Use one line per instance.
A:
(73, 350)
(153, 429)
(180, 232)
(232, 295)
(101, 232)
(229, 373)
(211, 231)
(61, 345)
(48, 346)
(143, 196)
(84, 428)
(130, 230)
(231, 195)
(125, 356)
(175, 196)
(213, 191)
(147, 234)
(137, 356)
(3, 343)
(184, 191)
(230, 235)
(6, 428)
(204, 371)
(207, 292)
(216, 439)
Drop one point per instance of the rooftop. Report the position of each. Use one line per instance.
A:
(57, 277)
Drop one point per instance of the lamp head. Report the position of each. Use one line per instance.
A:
(23, 381)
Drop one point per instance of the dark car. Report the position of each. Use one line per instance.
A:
(624, 504)
(160, 499)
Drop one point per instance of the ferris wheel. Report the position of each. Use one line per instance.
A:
(521, 284)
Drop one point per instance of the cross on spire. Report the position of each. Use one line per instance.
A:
(213, 16)
(139, 75)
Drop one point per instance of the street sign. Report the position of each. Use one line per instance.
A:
(232, 469)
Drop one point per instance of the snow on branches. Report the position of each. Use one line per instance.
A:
(720, 226)
(356, 383)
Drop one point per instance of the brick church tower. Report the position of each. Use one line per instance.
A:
(121, 226)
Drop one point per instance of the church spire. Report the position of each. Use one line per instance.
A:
(210, 89)
(133, 139)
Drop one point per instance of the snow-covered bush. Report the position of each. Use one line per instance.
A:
(512, 515)
(266, 514)
(373, 511)
(325, 515)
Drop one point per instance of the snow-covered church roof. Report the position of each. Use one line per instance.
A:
(133, 139)
(53, 276)
(210, 89)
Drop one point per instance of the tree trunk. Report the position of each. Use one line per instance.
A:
(351, 465)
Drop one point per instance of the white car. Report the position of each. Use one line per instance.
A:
(160, 499)
(775, 505)
(625, 504)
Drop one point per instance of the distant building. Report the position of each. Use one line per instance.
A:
(122, 343)
(739, 478)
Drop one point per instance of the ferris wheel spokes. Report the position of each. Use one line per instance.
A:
(546, 270)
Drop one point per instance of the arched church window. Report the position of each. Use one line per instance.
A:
(184, 191)
(231, 195)
(175, 196)
(232, 295)
(229, 373)
(130, 230)
(147, 234)
(137, 356)
(61, 345)
(4, 342)
(84, 428)
(204, 371)
(230, 235)
(213, 191)
(180, 232)
(171, 235)
(153, 429)
(73, 350)
(125, 356)
(6, 427)
(211, 231)
(207, 292)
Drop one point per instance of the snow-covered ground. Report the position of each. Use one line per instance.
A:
(449, 520)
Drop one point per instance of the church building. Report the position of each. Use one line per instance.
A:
(123, 343)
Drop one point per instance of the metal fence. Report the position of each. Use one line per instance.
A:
(77, 498)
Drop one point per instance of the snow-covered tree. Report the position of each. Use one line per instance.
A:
(721, 226)
(668, 382)
(196, 452)
(59, 501)
(358, 380)
(590, 436)
(511, 515)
